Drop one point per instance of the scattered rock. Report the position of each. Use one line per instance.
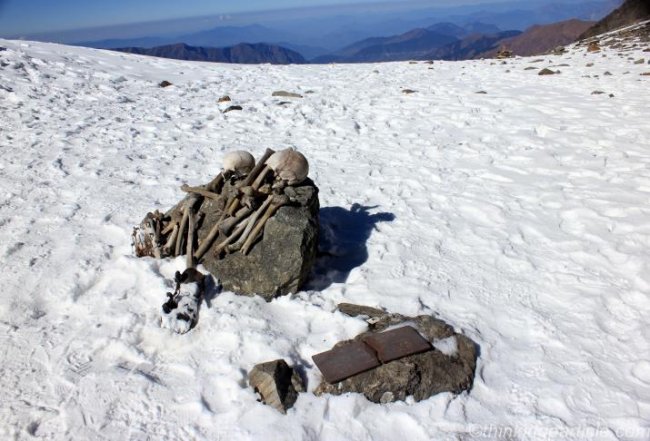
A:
(640, 61)
(428, 62)
(504, 53)
(593, 47)
(285, 94)
(224, 99)
(597, 92)
(408, 91)
(482, 92)
(357, 310)
(530, 68)
(449, 367)
(277, 384)
(611, 95)
(284, 103)
(547, 71)
(607, 73)
(590, 64)
(645, 74)
(559, 50)
(164, 83)
(231, 108)
(413, 62)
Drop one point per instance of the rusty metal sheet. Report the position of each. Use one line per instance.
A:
(397, 343)
(346, 360)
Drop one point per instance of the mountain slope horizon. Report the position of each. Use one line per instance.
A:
(243, 53)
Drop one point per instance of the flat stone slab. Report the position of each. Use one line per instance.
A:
(346, 360)
(397, 343)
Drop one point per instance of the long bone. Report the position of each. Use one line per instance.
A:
(190, 240)
(191, 200)
(251, 223)
(277, 201)
(200, 191)
(233, 236)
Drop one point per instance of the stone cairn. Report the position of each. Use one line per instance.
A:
(254, 226)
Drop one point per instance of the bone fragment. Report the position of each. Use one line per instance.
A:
(277, 201)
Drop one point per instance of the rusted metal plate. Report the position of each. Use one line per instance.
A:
(345, 361)
(397, 343)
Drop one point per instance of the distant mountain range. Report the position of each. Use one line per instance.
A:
(241, 53)
(442, 41)
(543, 38)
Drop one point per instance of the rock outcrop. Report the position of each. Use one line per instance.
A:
(448, 367)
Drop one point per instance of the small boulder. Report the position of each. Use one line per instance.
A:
(164, 83)
(224, 99)
(640, 61)
(277, 384)
(547, 71)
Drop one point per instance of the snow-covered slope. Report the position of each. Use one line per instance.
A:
(521, 216)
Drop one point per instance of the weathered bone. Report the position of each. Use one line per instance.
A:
(200, 191)
(191, 200)
(190, 240)
(233, 236)
(277, 201)
(171, 241)
(251, 223)
(227, 225)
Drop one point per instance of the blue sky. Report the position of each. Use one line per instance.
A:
(19, 17)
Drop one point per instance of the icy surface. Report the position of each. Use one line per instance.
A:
(520, 216)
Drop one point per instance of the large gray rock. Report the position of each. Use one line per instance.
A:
(449, 368)
(280, 263)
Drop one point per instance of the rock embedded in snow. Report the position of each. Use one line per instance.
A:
(277, 383)
(164, 83)
(285, 94)
(231, 108)
(547, 71)
(224, 99)
(421, 375)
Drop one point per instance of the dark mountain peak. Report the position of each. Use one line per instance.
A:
(630, 12)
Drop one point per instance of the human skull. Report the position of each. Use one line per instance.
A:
(289, 166)
(238, 163)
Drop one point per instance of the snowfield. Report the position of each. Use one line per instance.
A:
(521, 216)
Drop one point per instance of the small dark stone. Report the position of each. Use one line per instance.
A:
(408, 91)
(224, 99)
(231, 108)
(597, 92)
(165, 83)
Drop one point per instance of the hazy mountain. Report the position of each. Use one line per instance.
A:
(630, 12)
(241, 53)
(470, 46)
(230, 35)
(540, 39)
(415, 44)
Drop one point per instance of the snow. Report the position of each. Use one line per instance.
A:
(519, 216)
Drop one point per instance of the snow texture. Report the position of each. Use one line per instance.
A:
(520, 216)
